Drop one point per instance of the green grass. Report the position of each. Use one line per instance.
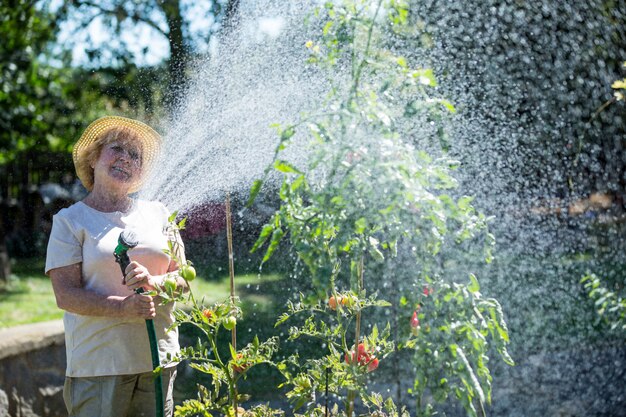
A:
(209, 292)
(28, 297)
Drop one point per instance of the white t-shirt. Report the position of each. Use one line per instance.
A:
(98, 346)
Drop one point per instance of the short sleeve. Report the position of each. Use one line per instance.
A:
(64, 247)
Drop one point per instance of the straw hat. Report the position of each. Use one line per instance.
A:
(151, 145)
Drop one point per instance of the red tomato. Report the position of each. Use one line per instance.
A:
(362, 357)
(415, 324)
(372, 365)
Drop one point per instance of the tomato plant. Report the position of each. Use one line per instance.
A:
(449, 333)
(336, 371)
(372, 198)
(373, 203)
(205, 357)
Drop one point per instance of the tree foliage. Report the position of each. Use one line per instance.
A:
(45, 103)
(32, 93)
(169, 20)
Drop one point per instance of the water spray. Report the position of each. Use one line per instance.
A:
(125, 242)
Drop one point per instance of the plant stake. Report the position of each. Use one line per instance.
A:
(231, 271)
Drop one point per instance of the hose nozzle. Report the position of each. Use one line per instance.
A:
(126, 241)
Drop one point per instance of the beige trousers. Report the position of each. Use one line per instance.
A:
(118, 395)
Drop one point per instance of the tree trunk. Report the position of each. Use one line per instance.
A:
(178, 51)
(5, 265)
(231, 16)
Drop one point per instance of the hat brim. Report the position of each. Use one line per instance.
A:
(151, 147)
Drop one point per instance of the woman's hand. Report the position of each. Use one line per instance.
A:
(137, 276)
(73, 297)
(139, 305)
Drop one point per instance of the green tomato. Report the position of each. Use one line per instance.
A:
(169, 284)
(229, 322)
(188, 273)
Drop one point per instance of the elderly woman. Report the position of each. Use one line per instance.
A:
(109, 368)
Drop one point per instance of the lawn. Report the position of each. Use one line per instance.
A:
(28, 297)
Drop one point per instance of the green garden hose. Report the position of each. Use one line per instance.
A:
(126, 241)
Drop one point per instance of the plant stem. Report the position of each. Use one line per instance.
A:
(481, 409)
(326, 393)
(418, 405)
(357, 334)
(233, 397)
(215, 352)
(350, 401)
(359, 289)
(357, 76)
(394, 313)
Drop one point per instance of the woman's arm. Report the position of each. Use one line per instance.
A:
(73, 297)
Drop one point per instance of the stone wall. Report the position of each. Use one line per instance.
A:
(32, 370)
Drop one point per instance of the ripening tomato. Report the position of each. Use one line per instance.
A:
(208, 314)
(361, 357)
(350, 357)
(348, 301)
(361, 353)
(229, 322)
(372, 365)
(332, 303)
(415, 323)
(242, 367)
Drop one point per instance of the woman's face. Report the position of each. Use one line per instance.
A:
(119, 165)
